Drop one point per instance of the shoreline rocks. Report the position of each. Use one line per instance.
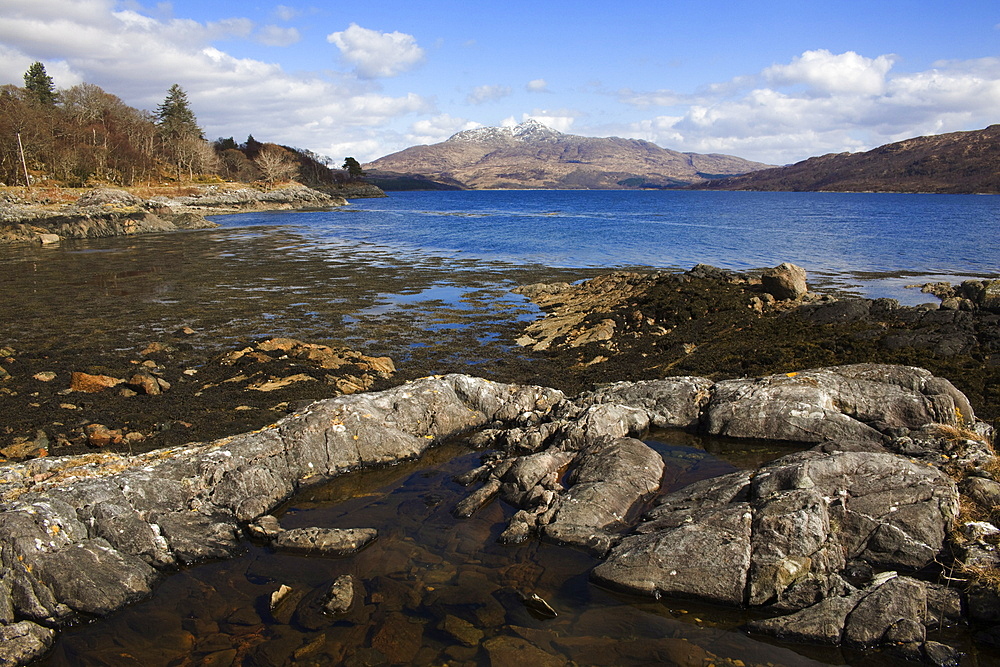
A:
(87, 535)
(815, 536)
(815, 533)
(103, 212)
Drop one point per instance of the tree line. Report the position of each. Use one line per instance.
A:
(83, 136)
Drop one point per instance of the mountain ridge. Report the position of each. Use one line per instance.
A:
(952, 163)
(532, 155)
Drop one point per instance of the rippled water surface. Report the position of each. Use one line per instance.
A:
(873, 243)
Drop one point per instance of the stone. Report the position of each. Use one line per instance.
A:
(707, 558)
(837, 403)
(340, 597)
(92, 384)
(145, 382)
(672, 402)
(266, 527)
(985, 492)
(99, 435)
(900, 600)
(462, 631)
(785, 281)
(609, 479)
(324, 541)
(24, 642)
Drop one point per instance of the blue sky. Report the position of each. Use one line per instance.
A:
(773, 81)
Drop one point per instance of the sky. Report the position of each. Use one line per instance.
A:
(769, 80)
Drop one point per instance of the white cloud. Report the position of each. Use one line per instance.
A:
(537, 86)
(820, 103)
(137, 58)
(272, 35)
(561, 120)
(484, 94)
(438, 128)
(286, 13)
(377, 54)
(827, 74)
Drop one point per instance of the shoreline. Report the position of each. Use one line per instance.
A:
(45, 215)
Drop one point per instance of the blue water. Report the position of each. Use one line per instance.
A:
(870, 243)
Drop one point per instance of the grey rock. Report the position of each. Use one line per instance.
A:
(985, 492)
(796, 519)
(942, 655)
(125, 530)
(672, 402)
(707, 558)
(193, 536)
(785, 281)
(897, 608)
(610, 478)
(838, 403)
(23, 642)
(324, 541)
(340, 597)
(822, 623)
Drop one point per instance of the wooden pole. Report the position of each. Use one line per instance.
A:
(24, 163)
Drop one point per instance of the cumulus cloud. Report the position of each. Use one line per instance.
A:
(273, 35)
(537, 86)
(826, 73)
(138, 57)
(561, 119)
(484, 94)
(285, 13)
(377, 54)
(820, 102)
(438, 128)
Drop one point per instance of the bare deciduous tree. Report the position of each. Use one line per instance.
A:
(275, 164)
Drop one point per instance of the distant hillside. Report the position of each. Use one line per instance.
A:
(532, 155)
(959, 162)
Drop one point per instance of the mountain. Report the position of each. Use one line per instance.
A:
(958, 162)
(531, 155)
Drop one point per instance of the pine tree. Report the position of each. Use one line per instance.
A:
(174, 115)
(40, 84)
(353, 168)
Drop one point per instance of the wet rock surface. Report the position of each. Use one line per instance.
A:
(719, 324)
(193, 501)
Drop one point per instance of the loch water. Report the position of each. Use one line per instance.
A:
(872, 244)
(434, 589)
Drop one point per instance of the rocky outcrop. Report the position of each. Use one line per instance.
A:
(816, 536)
(87, 535)
(813, 535)
(104, 212)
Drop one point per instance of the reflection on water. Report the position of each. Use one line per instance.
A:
(431, 590)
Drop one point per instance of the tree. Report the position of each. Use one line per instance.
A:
(40, 84)
(174, 115)
(353, 168)
(275, 164)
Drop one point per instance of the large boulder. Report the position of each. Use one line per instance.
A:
(856, 403)
(785, 281)
(790, 525)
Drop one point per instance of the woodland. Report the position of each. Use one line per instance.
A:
(84, 136)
